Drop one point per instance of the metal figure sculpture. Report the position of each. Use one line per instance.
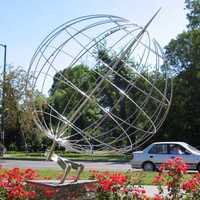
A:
(146, 92)
(66, 165)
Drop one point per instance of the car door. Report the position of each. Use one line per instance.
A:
(159, 154)
(186, 155)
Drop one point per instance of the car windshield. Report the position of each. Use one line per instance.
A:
(193, 148)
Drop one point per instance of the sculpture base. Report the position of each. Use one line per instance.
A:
(55, 183)
(69, 190)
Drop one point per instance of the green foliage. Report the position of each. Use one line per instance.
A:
(183, 53)
(66, 100)
(20, 129)
(183, 121)
(193, 15)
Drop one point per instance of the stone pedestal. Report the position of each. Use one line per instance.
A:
(69, 190)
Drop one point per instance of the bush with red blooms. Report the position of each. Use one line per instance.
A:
(117, 186)
(171, 174)
(13, 184)
(110, 186)
(192, 187)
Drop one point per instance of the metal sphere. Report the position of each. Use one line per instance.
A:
(125, 98)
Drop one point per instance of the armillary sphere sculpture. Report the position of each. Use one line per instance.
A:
(98, 83)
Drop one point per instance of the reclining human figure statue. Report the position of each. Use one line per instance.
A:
(66, 165)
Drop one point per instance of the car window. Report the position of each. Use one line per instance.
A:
(159, 149)
(176, 149)
(193, 148)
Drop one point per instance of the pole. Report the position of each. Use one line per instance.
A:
(3, 95)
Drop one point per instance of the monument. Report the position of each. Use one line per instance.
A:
(118, 107)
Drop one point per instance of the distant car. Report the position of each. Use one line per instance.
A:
(152, 156)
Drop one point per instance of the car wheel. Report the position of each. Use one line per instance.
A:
(148, 166)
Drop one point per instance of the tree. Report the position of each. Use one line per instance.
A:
(110, 95)
(20, 129)
(183, 53)
(108, 115)
(193, 15)
(66, 100)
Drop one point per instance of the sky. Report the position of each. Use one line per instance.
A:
(25, 23)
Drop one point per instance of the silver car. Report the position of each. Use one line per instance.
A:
(152, 156)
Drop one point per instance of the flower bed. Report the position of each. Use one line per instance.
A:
(110, 185)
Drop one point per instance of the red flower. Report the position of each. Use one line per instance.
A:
(125, 190)
(13, 181)
(49, 193)
(158, 179)
(109, 181)
(161, 168)
(158, 197)
(106, 184)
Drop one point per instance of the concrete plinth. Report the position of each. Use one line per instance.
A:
(69, 190)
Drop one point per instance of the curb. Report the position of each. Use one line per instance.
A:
(78, 160)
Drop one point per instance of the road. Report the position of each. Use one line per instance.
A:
(105, 166)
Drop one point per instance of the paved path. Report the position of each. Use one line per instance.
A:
(152, 190)
(110, 166)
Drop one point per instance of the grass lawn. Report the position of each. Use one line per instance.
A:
(73, 156)
(54, 174)
(135, 177)
(143, 178)
(138, 178)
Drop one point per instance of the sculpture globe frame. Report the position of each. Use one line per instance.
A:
(146, 92)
